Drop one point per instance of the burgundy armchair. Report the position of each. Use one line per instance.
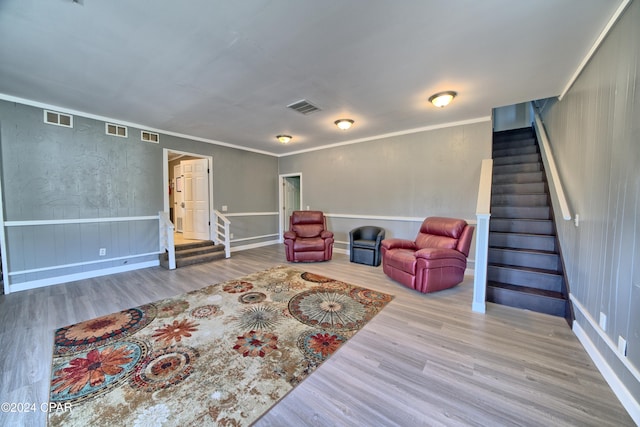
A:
(308, 238)
(436, 260)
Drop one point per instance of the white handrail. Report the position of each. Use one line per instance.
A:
(553, 178)
(483, 213)
(222, 225)
(167, 243)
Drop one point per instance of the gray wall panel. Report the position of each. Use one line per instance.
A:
(242, 180)
(52, 172)
(245, 226)
(594, 132)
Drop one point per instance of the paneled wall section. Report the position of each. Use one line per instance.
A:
(595, 136)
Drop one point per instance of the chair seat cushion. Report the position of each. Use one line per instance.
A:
(364, 244)
(308, 244)
(402, 259)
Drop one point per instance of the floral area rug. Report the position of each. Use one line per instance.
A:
(221, 355)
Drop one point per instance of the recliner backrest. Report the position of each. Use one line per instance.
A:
(438, 232)
(307, 223)
(367, 232)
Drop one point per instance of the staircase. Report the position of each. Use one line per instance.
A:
(524, 265)
(194, 253)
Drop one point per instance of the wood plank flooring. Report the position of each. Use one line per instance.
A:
(425, 360)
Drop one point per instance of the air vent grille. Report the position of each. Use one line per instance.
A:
(303, 107)
(149, 136)
(59, 119)
(115, 130)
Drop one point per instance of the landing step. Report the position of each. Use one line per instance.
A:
(194, 253)
(198, 250)
(195, 244)
(542, 301)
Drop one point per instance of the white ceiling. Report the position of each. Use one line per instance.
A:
(225, 70)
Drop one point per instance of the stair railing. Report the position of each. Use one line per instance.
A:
(166, 229)
(553, 178)
(483, 214)
(221, 235)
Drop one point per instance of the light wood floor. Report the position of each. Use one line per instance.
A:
(425, 360)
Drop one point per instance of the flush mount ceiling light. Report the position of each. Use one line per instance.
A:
(442, 99)
(344, 124)
(284, 138)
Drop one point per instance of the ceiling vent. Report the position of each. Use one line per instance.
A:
(303, 107)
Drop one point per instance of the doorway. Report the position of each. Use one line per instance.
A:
(290, 198)
(189, 200)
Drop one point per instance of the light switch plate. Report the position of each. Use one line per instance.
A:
(603, 321)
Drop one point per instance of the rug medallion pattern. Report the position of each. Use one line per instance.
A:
(221, 355)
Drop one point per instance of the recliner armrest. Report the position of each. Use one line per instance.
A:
(325, 234)
(439, 253)
(290, 235)
(398, 244)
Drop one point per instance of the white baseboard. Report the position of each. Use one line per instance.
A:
(626, 398)
(33, 284)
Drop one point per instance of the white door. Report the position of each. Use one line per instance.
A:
(178, 200)
(290, 198)
(195, 224)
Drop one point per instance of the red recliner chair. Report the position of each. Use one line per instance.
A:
(436, 260)
(308, 238)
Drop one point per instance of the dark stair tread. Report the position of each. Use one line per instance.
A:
(522, 199)
(527, 290)
(519, 164)
(514, 151)
(526, 269)
(518, 177)
(524, 234)
(517, 168)
(521, 212)
(539, 187)
(517, 159)
(521, 250)
(531, 221)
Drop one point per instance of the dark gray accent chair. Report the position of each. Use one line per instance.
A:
(364, 244)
